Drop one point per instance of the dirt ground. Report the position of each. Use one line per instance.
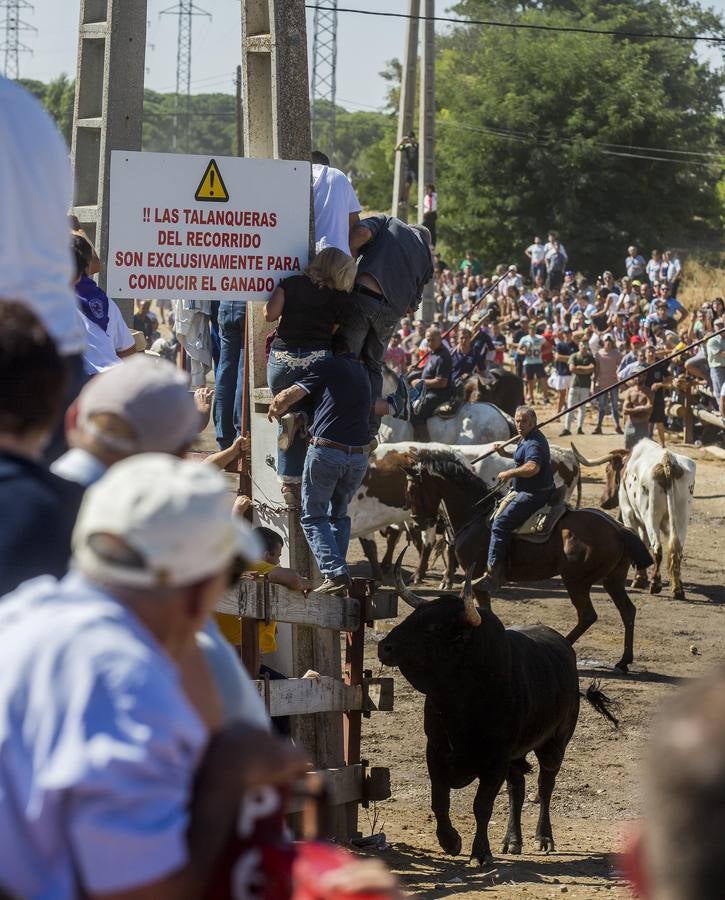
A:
(597, 793)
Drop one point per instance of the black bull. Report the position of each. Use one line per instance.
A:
(492, 695)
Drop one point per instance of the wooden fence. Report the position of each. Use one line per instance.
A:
(353, 697)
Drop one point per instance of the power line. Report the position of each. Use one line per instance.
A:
(571, 29)
(601, 146)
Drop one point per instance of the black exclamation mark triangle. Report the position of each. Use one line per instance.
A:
(211, 187)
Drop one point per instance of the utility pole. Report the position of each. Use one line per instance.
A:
(184, 9)
(427, 109)
(108, 112)
(12, 27)
(426, 125)
(238, 110)
(405, 111)
(324, 76)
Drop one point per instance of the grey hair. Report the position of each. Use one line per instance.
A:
(527, 411)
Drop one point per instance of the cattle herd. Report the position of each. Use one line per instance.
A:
(495, 694)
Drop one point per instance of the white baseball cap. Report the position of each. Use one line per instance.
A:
(173, 515)
(152, 396)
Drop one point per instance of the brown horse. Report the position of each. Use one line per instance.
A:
(586, 546)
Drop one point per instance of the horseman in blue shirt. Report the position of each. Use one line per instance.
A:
(533, 482)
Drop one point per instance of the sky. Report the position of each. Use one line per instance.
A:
(364, 45)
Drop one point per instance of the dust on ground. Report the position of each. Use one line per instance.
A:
(597, 794)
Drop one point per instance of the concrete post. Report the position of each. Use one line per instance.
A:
(108, 112)
(405, 110)
(277, 125)
(427, 110)
(426, 125)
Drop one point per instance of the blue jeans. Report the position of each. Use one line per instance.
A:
(513, 516)
(612, 397)
(283, 369)
(230, 373)
(329, 482)
(369, 324)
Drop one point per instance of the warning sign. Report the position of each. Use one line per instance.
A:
(170, 238)
(211, 187)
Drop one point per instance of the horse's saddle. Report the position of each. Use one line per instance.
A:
(538, 527)
(450, 407)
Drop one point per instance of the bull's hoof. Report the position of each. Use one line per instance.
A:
(450, 841)
(511, 846)
(545, 843)
(484, 860)
(655, 587)
(639, 581)
(622, 667)
(678, 594)
(445, 586)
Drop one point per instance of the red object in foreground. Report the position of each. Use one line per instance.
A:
(263, 863)
(312, 861)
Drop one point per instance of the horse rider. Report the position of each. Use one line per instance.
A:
(436, 381)
(531, 479)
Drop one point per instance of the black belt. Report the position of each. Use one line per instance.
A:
(323, 442)
(369, 292)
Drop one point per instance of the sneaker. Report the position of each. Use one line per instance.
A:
(417, 395)
(597, 430)
(290, 424)
(564, 432)
(337, 585)
(400, 400)
(580, 431)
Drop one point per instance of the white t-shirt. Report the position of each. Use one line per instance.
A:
(335, 200)
(538, 252)
(103, 346)
(35, 187)
(430, 202)
(98, 745)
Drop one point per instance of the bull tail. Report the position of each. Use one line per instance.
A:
(637, 551)
(599, 700)
(671, 470)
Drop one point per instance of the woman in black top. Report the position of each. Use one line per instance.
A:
(311, 306)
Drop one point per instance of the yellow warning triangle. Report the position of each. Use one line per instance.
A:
(212, 187)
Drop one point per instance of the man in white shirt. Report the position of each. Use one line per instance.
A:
(108, 338)
(110, 783)
(337, 209)
(536, 253)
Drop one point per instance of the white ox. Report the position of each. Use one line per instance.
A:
(472, 423)
(654, 489)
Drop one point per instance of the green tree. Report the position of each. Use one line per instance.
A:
(58, 97)
(577, 132)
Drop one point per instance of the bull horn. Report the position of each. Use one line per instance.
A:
(470, 613)
(599, 461)
(403, 592)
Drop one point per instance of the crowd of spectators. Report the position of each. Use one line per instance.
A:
(130, 734)
(570, 336)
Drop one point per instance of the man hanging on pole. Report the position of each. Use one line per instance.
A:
(395, 263)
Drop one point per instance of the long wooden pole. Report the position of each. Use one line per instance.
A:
(516, 438)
